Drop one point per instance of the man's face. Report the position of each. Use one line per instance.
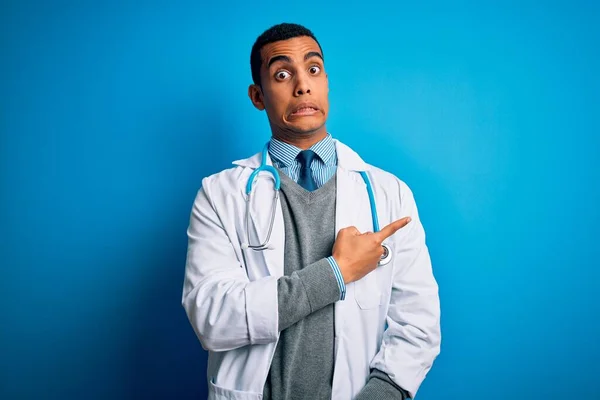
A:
(294, 86)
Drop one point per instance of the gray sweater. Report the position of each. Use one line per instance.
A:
(303, 363)
(302, 367)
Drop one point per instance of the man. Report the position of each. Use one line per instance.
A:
(313, 314)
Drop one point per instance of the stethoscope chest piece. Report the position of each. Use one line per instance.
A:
(387, 255)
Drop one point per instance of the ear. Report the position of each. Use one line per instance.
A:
(256, 97)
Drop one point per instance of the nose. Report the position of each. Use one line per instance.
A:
(302, 85)
(300, 92)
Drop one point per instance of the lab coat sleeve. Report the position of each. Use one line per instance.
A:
(226, 310)
(412, 339)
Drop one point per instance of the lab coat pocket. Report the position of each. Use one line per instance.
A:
(220, 393)
(367, 292)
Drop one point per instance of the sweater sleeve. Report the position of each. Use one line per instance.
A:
(381, 387)
(306, 291)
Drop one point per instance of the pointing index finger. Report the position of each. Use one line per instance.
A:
(392, 228)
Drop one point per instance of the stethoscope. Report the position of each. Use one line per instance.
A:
(387, 253)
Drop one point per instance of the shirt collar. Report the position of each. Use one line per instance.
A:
(286, 153)
(346, 159)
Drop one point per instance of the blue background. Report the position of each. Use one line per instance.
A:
(111, 113)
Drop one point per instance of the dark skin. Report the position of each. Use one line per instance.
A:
(293, 73)
(294, 92)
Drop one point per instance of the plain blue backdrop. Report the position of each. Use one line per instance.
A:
(112, 112)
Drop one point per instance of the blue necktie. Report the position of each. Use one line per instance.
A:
(306, 180)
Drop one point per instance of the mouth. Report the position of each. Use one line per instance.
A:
(304, 109)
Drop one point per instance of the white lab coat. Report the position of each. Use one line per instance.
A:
(389, 320)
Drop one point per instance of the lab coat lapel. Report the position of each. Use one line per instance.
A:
(352, 200)
(352, 207)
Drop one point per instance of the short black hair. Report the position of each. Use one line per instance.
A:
(275, 33)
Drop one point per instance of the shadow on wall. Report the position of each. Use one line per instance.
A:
(165, 358)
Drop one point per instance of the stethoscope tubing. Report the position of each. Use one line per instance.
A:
(387, 251)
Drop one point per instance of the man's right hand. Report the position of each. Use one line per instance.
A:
(357, 253)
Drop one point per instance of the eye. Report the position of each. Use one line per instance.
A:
(282, 75)
(314, 70)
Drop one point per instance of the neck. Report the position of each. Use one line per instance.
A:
(301, 140)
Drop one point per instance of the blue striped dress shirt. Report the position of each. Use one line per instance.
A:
(323, 167)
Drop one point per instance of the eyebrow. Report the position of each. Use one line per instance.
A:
(311, 54)
(278, 58)
(308, 55)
